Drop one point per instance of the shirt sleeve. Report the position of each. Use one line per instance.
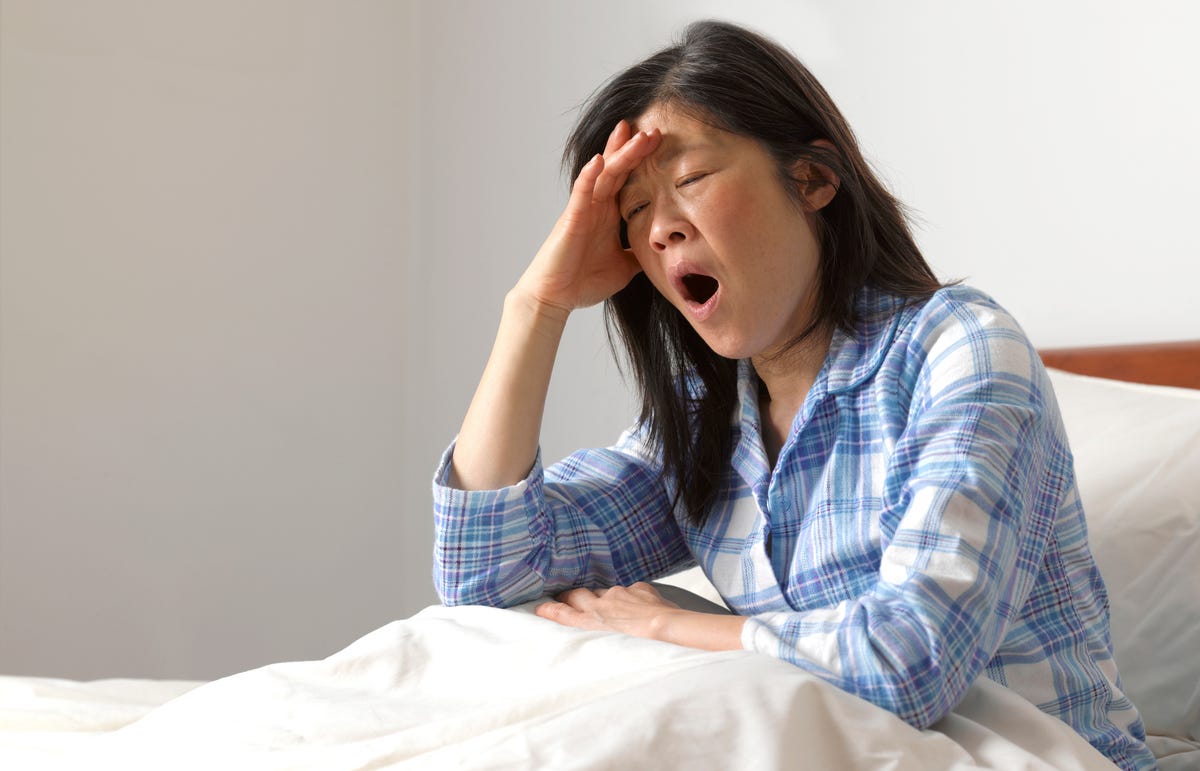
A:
(969, 501)
(598, 518)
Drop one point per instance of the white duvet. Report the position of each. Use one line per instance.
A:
(475, 687)
(483, 688)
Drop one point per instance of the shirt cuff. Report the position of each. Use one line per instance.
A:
(452, 499)
(482, 539)
(441, 477)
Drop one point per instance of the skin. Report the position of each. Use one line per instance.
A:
(693, 196)
(714, 200)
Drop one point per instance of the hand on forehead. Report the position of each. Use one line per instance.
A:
(681, 134)
(680, 131)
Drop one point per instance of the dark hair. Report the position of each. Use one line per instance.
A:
(741, 82)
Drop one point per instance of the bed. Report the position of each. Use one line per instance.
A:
(474, 687)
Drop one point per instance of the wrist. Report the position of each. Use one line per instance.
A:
(542, 314)
(664, 626)
(693, 629)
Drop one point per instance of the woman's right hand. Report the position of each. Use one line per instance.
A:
(580, 264)
(582, 261)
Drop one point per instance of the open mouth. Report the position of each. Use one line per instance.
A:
(700, 288)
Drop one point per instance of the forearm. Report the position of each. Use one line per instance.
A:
(499, 437)
(706, 631)
(580, 264)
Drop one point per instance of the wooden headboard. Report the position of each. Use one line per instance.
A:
(1174, 364)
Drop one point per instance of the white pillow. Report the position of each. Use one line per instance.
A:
(1137, 458)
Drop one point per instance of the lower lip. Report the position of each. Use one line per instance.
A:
(701, 311)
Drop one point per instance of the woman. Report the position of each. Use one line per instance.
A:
(869, 466)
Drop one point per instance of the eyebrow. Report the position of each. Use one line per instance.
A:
(668, 156)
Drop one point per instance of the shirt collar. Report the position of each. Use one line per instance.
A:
(856, 356)
(852, 360)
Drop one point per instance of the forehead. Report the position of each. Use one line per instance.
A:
(681, 133)
(676, 123)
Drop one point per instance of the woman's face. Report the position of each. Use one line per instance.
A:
(718, 234)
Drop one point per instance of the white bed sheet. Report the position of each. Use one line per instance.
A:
(476, 687)
(485, 688)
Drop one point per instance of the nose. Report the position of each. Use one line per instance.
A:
(669, 228)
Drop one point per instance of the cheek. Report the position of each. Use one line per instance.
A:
(643, 254)
(723, 213)
(763, 224)
(651, 264)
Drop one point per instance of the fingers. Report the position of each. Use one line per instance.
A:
(602, 177)
(563, 613)
(577, 598)
(641, 587)
(621, 162)
(581, 191)
(591, 170)
(573, 601)
(555, 611)
(619, 136)
(584, 598)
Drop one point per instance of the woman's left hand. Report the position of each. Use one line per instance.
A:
(636, 610)
(639, 610)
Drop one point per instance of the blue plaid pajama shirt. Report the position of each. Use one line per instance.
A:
(921, 527)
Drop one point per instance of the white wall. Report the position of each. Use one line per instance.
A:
(205, 244)
(252, 254)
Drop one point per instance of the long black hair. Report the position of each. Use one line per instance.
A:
(741, 82)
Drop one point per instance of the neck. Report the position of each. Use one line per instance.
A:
(788, 375)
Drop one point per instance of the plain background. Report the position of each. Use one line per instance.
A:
(252, 254)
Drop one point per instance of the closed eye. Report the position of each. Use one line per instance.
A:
(682, 183)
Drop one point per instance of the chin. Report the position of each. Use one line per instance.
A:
(730, 348)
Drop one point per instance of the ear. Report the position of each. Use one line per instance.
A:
(818, 184)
